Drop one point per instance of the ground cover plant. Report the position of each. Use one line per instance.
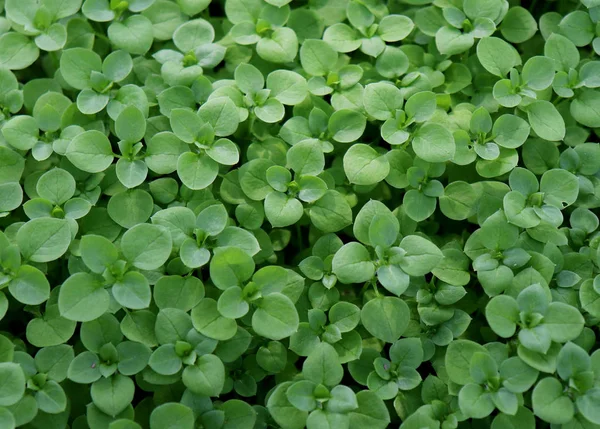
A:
(331, 214)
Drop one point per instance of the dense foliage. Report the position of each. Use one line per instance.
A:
(332, 214)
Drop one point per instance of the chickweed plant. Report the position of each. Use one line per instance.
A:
(321, 214)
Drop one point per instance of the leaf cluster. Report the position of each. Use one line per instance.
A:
(331, 214)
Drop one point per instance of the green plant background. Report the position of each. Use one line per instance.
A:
(331, 214)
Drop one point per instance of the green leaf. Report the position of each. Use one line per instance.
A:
(172, 415)
(301, 395)
(393, 278)
(282, 411)
(3, 305)
(187, 125)
(497, 233)
(505, 401)
(221, 114)
(163, 151)
(77, 65)
(510, 131)
(502, 314)
(132, 291)
(458, 201)
(345, 316)
(392, 62)
(7, 419)
(578, 27)
(562, 51)
(83, 298)
(383, 231)
(271, 111)
(231, 303)
(550, 403)
(44, 239)
(421, 106)
(13, 383)
(386, 318)
(133, 35)
(288, 87)
(365, 217)
(206, 377)
(483, 368)
(584, 108)
(317, 57)
(331, 212)
(142, 153)
(131, 124)
(322, 366)
(546, 121)
(90, 151)
(421, 255)
(146, 246)
(51, 329)
(537, 73)
(192, 34)
(234, 236)
(117, 65)
(533, 299)
(179, 292)
(407, 352)
(371, 412)
(21, 132)
(342, 37)
(197, 171)
(564, 322)
(29, 286)
(393, 28)
(306, 157)
(475, 402)
(276, 317)
(230, 266)
(208, 321)
(130, 207)
(239, 414)
(560, 188)
(112, 395)
(588, 405)
(11, 165)
(282, 210)
(346, 125)
(281, 47)
(434, 143)
(517, 376)
(17, 51)
(571, 361)
(352, 264)
(418, 206)
(458, 360)
(272, 357)
(451, 41)
(224, 151)
(497, 56)
(248, 78)
(49, 109)
(57, 186)
(131, 173)
(381, 100)
(518, 25)
(363, 165)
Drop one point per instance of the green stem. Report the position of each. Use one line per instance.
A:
(375, 288)
(532, 5)
(299, 234)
